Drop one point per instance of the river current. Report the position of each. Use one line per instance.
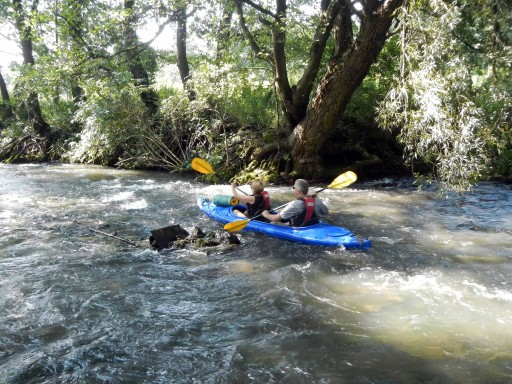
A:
(430, 302)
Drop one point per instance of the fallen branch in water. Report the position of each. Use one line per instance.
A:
(113, 236)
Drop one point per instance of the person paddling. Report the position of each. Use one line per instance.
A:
(303, 211)
(256, 203)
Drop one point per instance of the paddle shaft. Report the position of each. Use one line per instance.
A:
(226, 181)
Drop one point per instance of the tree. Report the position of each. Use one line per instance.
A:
(181, 46)
(310, 124)
(223, 28)
(346, 71)
(6, 108)
(24, 29)
(70, 25)
(451, 99)
(135, 62)
(294, 97)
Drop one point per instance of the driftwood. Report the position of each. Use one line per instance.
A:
(114, 237)
(174, 236)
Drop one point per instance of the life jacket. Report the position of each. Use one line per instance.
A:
(266, 199)
(307, 216)
(261, 203)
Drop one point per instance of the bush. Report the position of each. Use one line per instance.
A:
(238, 91)
(110, 119)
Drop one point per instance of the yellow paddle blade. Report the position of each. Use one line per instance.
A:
(236, 226)
(343, 180)
(202, 166)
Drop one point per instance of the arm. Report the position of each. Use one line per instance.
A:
(242, 198)
(293, 208)
(273, 217)
(320, 208)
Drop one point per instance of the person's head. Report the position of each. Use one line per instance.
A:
(257, 186)
(302, 186)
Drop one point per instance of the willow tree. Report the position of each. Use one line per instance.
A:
(451, 103)
(359, 29)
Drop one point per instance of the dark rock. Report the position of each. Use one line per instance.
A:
(177, 237)
(165, 237)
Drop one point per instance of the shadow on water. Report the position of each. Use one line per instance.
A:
(428, 303)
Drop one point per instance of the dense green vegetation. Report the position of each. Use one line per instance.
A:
(283, 89)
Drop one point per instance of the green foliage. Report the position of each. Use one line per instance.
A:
(504, 163)
(110, 117)
(184, 130)
(494, 95)
(441, 100)
(15, 129)
(363, 105)
(239, 91)
(449, 105)
(59, 115)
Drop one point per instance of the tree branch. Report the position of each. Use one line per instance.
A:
(261, 53)
(260, 9)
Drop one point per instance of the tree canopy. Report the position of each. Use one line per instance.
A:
(291, 87)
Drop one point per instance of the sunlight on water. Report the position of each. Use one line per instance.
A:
(467, 245)
(6, 214)
(239, 267)
(117, 197)
(10, 198)
(433, 315)
(384, 206)
(139, 204)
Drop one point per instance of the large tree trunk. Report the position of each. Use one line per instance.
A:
(6, 110)
(136, 67)
(3, 90)
(295, 98)
(181, 44)
(35, 116)
(344, 75)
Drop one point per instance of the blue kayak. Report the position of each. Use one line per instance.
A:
(318, 234)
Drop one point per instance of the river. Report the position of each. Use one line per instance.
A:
(430, 302)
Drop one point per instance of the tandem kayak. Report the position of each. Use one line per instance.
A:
(318, 234)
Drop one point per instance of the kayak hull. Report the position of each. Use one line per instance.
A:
(319, 234)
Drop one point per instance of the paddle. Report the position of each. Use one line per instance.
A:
(343, 180)
(203, 166)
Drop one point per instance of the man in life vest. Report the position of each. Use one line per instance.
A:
(301, 212)
(256, 203)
